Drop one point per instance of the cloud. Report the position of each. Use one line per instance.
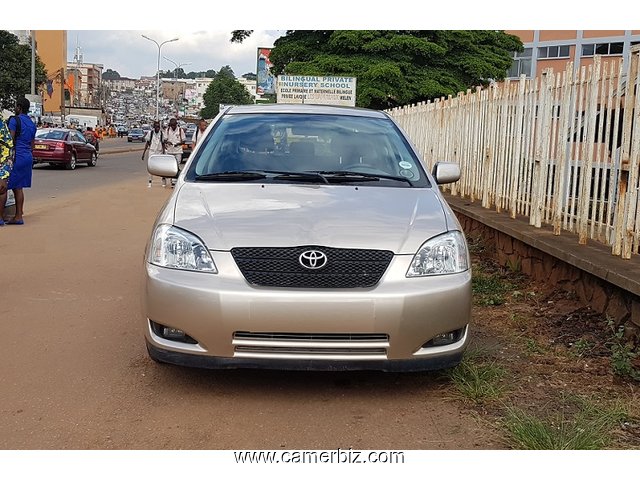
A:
(131, 55)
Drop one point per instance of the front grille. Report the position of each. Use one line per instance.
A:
(280, 267)
(357, 346)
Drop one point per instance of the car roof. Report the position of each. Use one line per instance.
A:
(54, 129)
(306, 108)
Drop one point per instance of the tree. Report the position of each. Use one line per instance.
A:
(110, 75)
(238, 36)
(396, 67)
(224, 88)
(15, 70)
(250, 76)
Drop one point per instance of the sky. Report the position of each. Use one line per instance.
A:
(110, 33)
(133, 56)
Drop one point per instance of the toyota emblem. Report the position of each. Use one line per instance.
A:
(312, 259)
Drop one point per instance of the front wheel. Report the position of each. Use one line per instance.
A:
(94, 160)
(71, 165)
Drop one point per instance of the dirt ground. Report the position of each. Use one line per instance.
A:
(552, 347)
(76, 374)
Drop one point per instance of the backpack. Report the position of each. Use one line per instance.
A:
(151, 138)
(18, 125)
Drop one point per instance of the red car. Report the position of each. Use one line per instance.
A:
(63, 146)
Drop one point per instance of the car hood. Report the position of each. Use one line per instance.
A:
(275, 215)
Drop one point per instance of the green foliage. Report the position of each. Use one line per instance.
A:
(15, 70)
(477, 380)
(110, 75)
(622, 354)
(581, 347)
(489, 289)
(587, 428)
(398, 67)
(224, 89)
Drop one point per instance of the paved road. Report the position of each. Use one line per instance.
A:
(52, 181)
(75, 373)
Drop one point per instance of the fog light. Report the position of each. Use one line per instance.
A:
(170, 333)
(173, 334)
(444, 339)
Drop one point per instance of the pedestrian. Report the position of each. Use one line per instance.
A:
(23, 133)
(198, 134)
(6, 145)
(154, 142)
(174, 138)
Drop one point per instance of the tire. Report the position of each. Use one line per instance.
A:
(128, 139)
(71, 164)
(94, 160)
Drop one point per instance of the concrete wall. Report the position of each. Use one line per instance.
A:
(605, 298)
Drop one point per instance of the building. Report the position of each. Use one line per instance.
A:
(52, 50)
(86, 86)
(251, 86)
(51, 46)
(555, 48)
(121, 84)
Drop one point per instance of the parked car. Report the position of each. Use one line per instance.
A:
(135, 135)
(306, 237)
(63, 146)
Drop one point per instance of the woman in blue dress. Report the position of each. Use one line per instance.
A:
(23, 131)
(6, 144)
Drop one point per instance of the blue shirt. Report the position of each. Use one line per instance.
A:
(27, 134)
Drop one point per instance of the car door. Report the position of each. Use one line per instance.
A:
(82, 148)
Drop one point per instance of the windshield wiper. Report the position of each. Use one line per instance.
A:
(231, 175)
(363, 176)
(303, 175)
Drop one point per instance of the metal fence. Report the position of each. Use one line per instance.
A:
(562, 150)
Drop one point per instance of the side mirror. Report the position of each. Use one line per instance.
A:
(446, 172)
(162, 166)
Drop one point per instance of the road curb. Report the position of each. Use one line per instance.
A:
(122, 150)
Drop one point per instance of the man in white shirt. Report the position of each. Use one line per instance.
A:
(199, 133)
(174, 138)
(154, 142)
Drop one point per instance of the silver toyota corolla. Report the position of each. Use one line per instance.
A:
(306, 237)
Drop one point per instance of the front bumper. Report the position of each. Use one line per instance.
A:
(213, 308)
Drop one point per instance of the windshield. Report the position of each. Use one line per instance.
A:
(51, 134)
(137, 132)
(329, 144)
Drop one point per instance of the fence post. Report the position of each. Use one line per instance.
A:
(620, 244)
(588, 143)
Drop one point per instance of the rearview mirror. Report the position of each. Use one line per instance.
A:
(162, 166)
(446, 172)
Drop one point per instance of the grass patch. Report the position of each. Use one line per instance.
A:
(489, 289)
(580, 424)
(476, 380)
(622, 354)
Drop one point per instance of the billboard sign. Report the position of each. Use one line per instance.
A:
(266, 82)
(316, 90)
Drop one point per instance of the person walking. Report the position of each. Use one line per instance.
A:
(155, 145)
(174, 138)
(6, 144)
(23, 133)
(199, 133)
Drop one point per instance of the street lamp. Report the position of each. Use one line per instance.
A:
(159, 45)
(175, 72)
(175, 76)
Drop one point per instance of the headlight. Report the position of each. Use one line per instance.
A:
(173, 247)
(441, 255)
